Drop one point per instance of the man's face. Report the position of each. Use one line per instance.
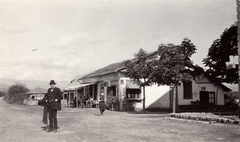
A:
(52, 85)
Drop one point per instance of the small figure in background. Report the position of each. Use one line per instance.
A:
(85, 101)
(102, 103)
(90, 102)
(75, 102)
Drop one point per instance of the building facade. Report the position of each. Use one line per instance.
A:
(201, 93)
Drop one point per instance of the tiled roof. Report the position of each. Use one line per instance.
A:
(115, 67)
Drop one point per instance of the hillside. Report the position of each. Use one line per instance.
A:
(31, 84)
(3, 87)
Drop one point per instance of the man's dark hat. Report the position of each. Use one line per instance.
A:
(52, 82)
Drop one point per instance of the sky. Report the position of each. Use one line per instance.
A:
(59, 39)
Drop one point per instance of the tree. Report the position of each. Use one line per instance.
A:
(169, 65)
(16, 93)
(218, 55)
(173, 65)
(139, 70)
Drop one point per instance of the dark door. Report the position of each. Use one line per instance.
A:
(204, 99)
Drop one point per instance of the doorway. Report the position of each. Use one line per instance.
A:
(204, 99)
(207, 100)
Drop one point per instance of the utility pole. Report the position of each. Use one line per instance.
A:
(238, 44)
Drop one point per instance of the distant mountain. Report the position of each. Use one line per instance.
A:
(31, 84)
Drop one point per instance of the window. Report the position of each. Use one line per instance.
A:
(211, 97)
(203, 88)
(133, 93)
(187, 90)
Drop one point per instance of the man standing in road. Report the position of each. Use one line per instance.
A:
(54, 99)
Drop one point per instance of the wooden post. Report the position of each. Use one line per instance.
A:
(69, 99)
(76, 98)
(84, 96)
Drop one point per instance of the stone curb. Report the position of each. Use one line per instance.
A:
(204, 118)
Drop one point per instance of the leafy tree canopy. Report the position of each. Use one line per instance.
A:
(169, 65)
(172, 63)
(139, 68)
(218, 55)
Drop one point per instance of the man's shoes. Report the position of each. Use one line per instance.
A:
(45, 128)
(49, 130)
(55, 130)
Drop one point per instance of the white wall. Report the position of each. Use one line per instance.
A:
(156, 97)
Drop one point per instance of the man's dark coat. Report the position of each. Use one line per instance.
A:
(56, 94)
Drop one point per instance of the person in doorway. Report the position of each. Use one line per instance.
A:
(54, 100)
(75, 102)
(102, 103)
(85, 101)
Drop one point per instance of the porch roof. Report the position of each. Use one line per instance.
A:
(75, 87)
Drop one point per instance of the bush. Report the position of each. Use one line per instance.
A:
(16, 94)
(2, 94)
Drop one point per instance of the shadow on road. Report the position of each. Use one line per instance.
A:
(162, 116)
(148, 112)
(45, 127)
(97, 114)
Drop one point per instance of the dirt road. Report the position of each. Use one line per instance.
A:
(20, 123)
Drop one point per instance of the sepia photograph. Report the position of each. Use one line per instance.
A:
(119, 71)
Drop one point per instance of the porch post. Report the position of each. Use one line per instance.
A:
(68, 98)
(76, 99)
(84, 97)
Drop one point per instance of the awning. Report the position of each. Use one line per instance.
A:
(75, 87)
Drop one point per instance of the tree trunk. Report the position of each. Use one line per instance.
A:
(144, 98)
(175, 99)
